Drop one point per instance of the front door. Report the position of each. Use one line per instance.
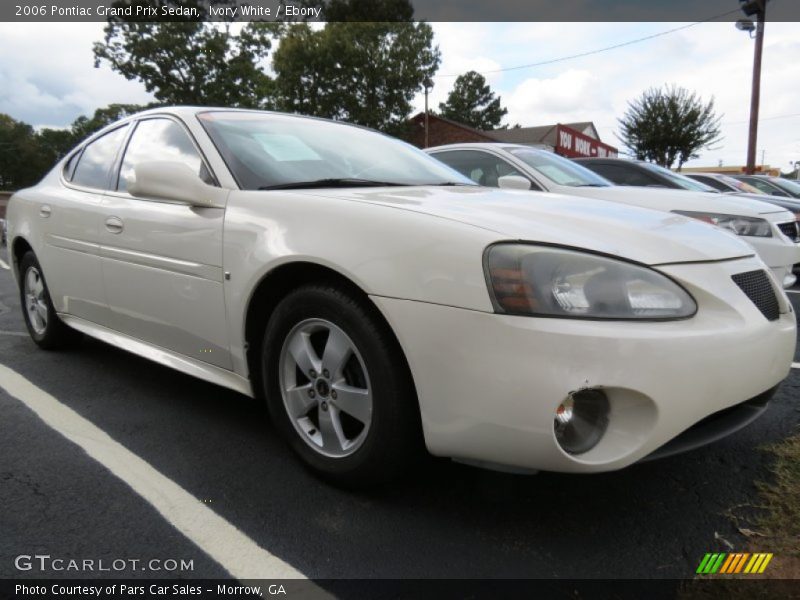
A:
(162, 261)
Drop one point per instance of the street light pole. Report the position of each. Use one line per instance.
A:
(755, 97)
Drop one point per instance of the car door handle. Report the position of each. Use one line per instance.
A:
(45, 210)
(114, 225)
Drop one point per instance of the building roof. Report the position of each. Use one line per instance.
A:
(543, 134)
(420, 117)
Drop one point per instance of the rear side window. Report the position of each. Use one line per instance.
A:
(161, 140)
(69, 168)
(94, 165)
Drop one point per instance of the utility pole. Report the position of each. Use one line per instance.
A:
(758, 8)
(428, 84)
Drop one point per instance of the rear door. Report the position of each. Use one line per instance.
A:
(70, 219)
(162, 261)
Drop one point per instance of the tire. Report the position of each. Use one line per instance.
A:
(331, 429)
(45, 328)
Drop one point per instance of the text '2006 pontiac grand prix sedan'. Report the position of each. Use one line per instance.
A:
(382, 303)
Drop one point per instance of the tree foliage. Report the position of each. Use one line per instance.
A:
(669, 124)
(27, 155)
(190, 61)
(472, 102)
(363, 72)
(19, 155)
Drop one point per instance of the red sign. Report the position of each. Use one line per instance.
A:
(573, 144)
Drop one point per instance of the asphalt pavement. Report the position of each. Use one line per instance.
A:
(652, 520)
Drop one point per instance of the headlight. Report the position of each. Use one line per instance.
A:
(555, 282)
(749, 226)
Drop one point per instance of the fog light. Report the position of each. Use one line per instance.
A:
(581, 420)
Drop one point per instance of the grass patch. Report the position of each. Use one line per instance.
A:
(774, 528)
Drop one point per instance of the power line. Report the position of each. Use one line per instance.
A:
(599, 50)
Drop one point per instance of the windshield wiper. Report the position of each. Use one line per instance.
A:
(338, 182)
(593, 185)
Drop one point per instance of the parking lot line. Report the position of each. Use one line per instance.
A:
(222, 541)
(4, 265)
(14, 333)
(792, 291)
(796, 365)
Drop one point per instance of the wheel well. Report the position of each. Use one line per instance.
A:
(19, 248)
(274, 286)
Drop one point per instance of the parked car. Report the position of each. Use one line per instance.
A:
(380, 301)
(730, 185)
(775, 186)
(724, 183)
(770, 230)
(623, 171)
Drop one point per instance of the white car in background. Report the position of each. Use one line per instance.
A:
(381, 303)
(771, 230)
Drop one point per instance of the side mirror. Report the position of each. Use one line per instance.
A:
(174, 181)
(513, 182)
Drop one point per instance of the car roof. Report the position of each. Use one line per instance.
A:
(484, 145)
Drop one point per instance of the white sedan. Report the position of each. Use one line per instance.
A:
(771, 230)
(382, 303)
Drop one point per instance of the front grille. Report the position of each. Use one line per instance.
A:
(757, 286)
(790, 230)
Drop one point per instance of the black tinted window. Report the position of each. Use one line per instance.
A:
(715, 183)
(622, 175)
(161, 140)
(94, 165)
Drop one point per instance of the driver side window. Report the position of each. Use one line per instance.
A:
(481, 167)
(161, 140)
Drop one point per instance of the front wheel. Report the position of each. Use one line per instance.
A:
(338, 388)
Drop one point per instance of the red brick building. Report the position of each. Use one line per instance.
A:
(570, 139)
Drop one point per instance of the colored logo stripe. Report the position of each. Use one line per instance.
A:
(737, 562)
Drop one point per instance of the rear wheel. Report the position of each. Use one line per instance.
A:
(338, 388)
(44, 326)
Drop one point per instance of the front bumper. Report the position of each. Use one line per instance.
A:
(489, 384)
(780, 255)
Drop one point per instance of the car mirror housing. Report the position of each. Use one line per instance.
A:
(175, 181)
(513, 182)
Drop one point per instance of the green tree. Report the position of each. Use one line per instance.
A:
(190, 61)
(84, 126)
(669, 124)
(363, 72)
(19, 159)
(472, 102)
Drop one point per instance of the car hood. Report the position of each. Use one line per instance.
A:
(669, 200)
(641, 235)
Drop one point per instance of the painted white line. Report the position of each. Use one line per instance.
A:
(796, 365)
(16, 333)
(222, 541)
(4, 265)
(792, 291)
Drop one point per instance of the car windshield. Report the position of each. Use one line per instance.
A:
(274, 151)
(559, 170)
(790, 186)
(687, 183)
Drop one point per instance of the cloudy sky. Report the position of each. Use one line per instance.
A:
(47, 77)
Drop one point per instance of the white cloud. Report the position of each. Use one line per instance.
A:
(47, 73)
(568, 96)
